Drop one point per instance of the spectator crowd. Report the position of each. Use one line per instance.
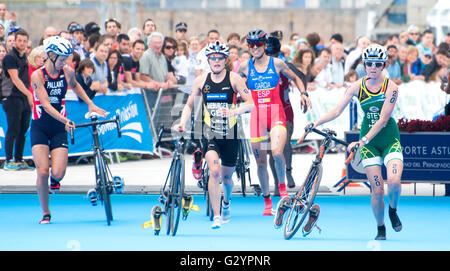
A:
(116, 59)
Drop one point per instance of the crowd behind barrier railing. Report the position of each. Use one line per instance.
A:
(417, 100)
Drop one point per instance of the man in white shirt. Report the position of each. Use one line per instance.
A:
(337, 64)
(354, 55)
(202, 66)
(324, 79)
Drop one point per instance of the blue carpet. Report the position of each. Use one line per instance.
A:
(347, 224)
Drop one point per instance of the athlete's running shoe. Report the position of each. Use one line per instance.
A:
(268, 206)
(396, 224)
(226, 214)
(24, 165)
(283, 206)
(283, 191)
(157, 217)
(197, 164)
(217, 222)
(54, 186)
(313, 216)
(381, 235)
(45, 219)
(10, 165)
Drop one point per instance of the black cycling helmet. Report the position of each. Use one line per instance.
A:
(76, 27)
(273, 46)
(256, 35)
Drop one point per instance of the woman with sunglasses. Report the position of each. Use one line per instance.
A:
(379, 136)
(219, 90)
(268, 120)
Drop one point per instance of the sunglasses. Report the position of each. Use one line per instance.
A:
(255, 43)
(376, 64)
(415, 34)
(170, 47)
(215, 58)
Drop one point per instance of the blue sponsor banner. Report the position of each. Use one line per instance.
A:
(136, 134)
(426, 157)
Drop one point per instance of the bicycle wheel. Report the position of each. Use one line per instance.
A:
(103, 186)
(302, 202)
(170, 200)
(179, 191)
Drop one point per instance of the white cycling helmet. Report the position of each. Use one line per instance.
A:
(58, 45)
(217, 48)
(375, 52)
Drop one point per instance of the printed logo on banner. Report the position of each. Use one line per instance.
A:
(127, 113)
(136, 131)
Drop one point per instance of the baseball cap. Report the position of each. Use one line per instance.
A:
(181, 26)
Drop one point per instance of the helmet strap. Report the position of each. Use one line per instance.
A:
(53, 60)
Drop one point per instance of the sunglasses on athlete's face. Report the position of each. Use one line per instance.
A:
(216, 58)
(376, 64)
(256, 43)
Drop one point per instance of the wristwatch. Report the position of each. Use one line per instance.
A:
(304, 93)
(364, 140)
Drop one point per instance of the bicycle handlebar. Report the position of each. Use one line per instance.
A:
(331, 135)
(163, 130)
(95, 122)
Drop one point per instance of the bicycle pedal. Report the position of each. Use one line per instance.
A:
(118, 184)
(92, 196)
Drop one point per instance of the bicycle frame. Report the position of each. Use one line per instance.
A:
(172, 191)
(103, 176)
(302, 202)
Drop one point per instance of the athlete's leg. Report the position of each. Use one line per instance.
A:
(394, 171)
(276, 192)
(59, 163)
(215, 179)
(377, 184)
(278, 137)
(42, 163)
(260, 153)
(227, 173)
(287, 152)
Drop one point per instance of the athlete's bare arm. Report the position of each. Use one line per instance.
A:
(196, 91)
(283, 68)
(243, 70)
(239, 86)
(337, 110)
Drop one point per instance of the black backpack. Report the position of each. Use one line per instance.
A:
(6, 86)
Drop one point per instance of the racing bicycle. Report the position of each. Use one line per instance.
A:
(105, 182)
(176, 203)
(300, 204)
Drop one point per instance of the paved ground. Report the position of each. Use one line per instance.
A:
(147, 176)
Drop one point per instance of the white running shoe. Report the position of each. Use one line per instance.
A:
(226, 214)
(217, 222)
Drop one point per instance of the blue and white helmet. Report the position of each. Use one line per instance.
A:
(217, 48)
(58, 45)
(375, 52)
